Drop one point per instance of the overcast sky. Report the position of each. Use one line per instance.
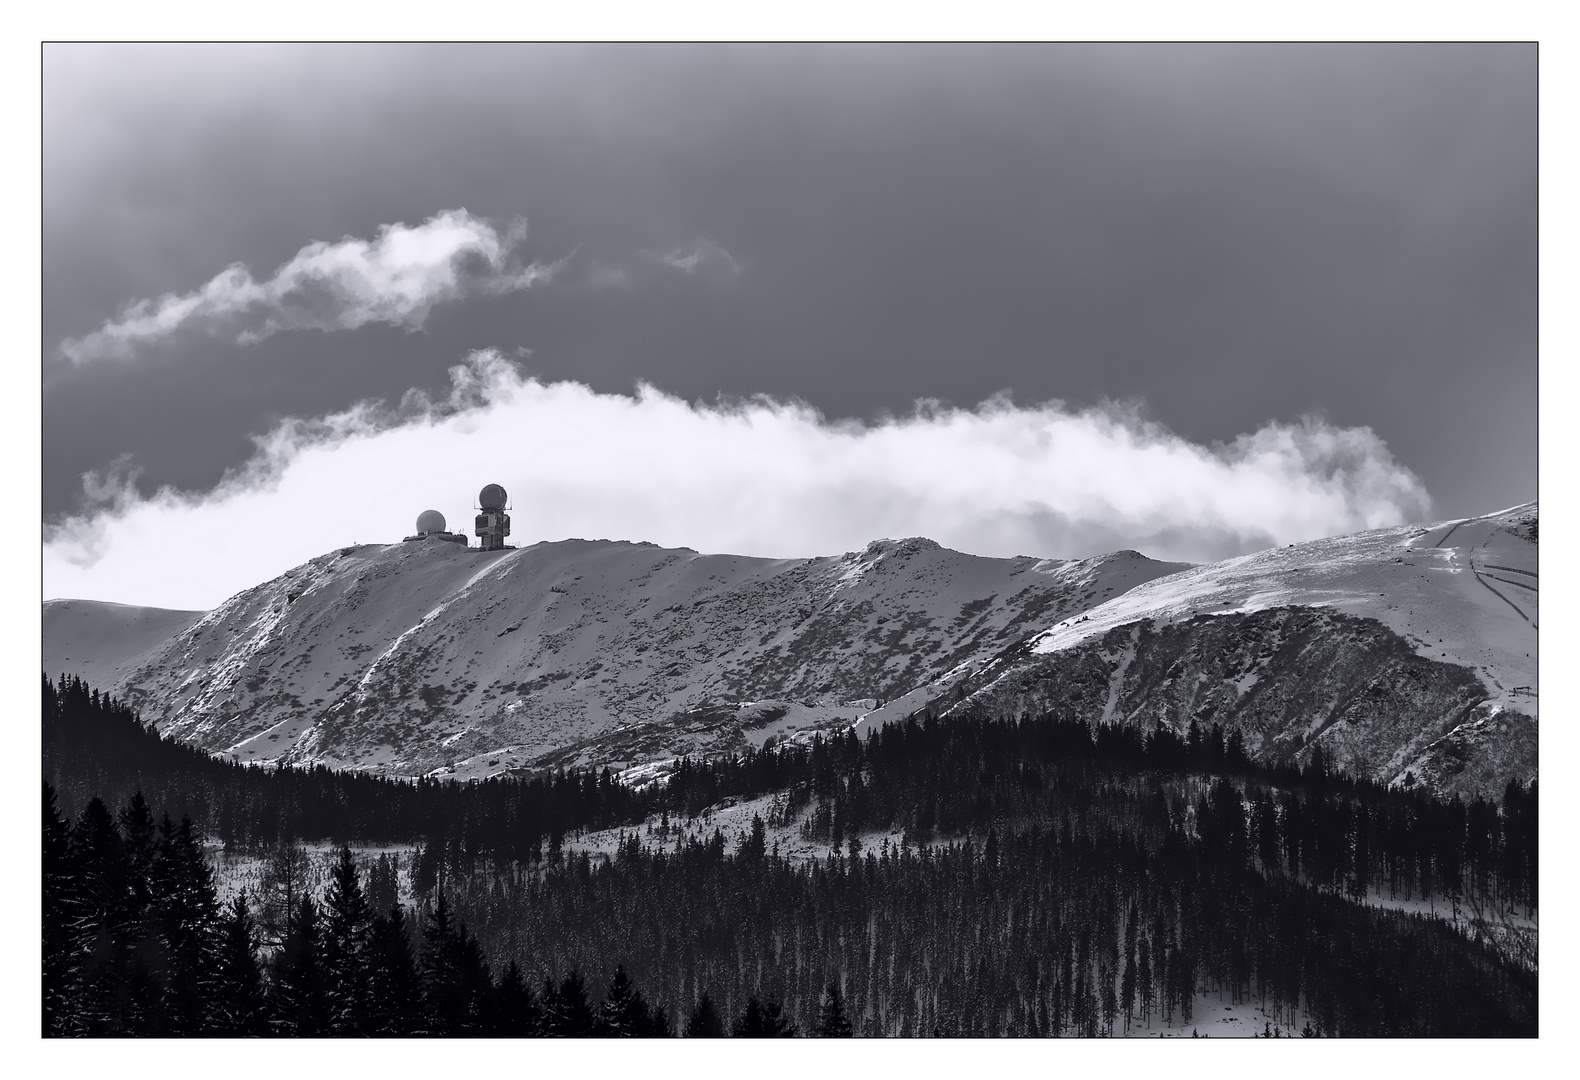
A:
(1213, 297)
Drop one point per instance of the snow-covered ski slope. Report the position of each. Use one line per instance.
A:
(425, 657)
(1463, 592)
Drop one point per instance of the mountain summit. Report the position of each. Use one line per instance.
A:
(427, 657)
(1407, 654)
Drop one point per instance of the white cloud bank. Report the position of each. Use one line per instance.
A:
(758, 478)
(395, 278)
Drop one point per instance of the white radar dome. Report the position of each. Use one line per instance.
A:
(430, 521)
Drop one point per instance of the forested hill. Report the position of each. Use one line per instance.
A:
(96, 746)
(1052, 878)
(930, 778)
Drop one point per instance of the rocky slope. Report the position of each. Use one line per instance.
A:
(1408, 654)
(420, 657)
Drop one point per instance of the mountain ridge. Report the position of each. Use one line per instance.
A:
(422, 656)
(1388, 648)
(428, 658)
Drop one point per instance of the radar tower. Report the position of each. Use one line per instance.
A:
(493, 524)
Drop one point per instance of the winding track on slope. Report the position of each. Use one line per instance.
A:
(1471, 562)
(1500, 596)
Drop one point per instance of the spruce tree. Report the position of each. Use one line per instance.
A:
(567, 1014)
(755, 846)
(705, 1022)
(382, 889)
(833, 1023)
(184, 912)
(624, 1014)
(113, 996)
(439, 973)
(1127, 984)
(476, 985)
(238, 1007)
(347, 922)
(301, 998)
(515, 1012)
(1144, 982)
(61, 913)
(141, 838)
(394, 992)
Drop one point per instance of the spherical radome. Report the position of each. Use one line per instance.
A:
(492, 497)
(430, 521)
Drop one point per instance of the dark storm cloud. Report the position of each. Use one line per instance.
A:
(1230, 234)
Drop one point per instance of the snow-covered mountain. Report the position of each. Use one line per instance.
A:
(425, 656)
(1409, 654)
(101, 642)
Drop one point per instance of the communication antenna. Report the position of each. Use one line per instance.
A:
(493, 522)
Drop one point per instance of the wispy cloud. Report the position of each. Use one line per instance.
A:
(395, 278)
(703, 256)
(760, 477)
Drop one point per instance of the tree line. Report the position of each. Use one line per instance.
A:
(136, 942)
(1051, 878)
(930, 777)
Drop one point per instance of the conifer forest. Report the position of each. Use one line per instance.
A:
(1033, 877)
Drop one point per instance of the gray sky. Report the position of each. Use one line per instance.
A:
(1225, 236)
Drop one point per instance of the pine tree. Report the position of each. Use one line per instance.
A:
(394, 992)
(301, 998)
(184, 912)
(624, 1014)
(141, 844)
(113, 993)
(347, 922)
(1127, 984)
(439, 972)
(1144, 982)
(382, 889)
(238, 1006)
(476, 984)
(833, 1024)
(755, 846)
(61, 913)
(705, 1022)
(515, 1013)
(567, 1014)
